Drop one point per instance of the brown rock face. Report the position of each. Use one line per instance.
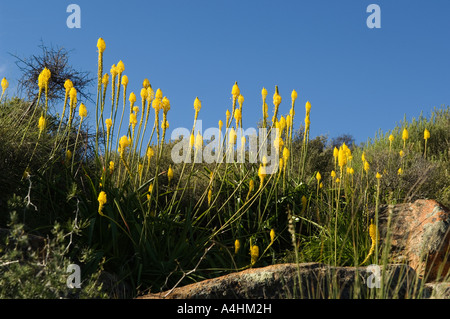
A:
(419, 233)
(305, 281)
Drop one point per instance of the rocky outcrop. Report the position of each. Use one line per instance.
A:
(418, 234)
(306, 281)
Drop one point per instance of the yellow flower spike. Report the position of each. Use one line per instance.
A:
(209, 196)
(105, 79)
(321, 185)
(68, 156)
(254, 254)
(400, 171)
(272, 235)
(307, 123)
(82, 111)
(197, 105)
(124, 142)
(375, 237)
(101, 202)
(261, 175)
(237, 246)
(286, 154)
(264, 93)
(198, 141)
(335, 153)
(264, 160)
(333, 174)
(276, 98)
(232, 136)
(235, 90)
(72, 96)
(366, 166)
(170, 174)
(158, 94)
(318, 177)
(280, 165)
(144, 94)
(165, 124)
(308, 107)
(363, 157)
(124, 81)
(342, 157)
(133, 120)
(391, 138)
(304, 202)
(240, 100)
(68, 85)
(150, 190)
(101, 46)
(338, 180)
(243, 141)
(113, 70)
(294, 96)
(5, 84)
(350, 170)
(42, 124)
(150, 154)
(111, 167)
(228, 114)
(378, 176)
(220, 125)
(401, 153)
(426, 134)
(132, 100)
(156, 104)
(191, 140)
(108, 123)
(146, 84)
(237, 116)
(120, 67)
(150, 94)
(165, 104)
(405, 136)
(136, 109)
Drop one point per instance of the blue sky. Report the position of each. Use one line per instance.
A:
(358, 80)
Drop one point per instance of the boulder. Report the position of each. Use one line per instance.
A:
(418, 234)
(305, 281)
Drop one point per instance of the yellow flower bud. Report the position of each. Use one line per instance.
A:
(82, 111)
(165, 105)
(108, 123)
(101, 46)
(235, 91)
(124, 80)
(4, 84)
(146, 83)
(272, 235)
(294, 95)
(101, 201)
(170, 173)
(318, 176)
(197, 105)
(405, 134)
(158, 94)
(426, 134)
(264, 93)
(120, 67)
(132, 99)
(42, 123)
(105, 79)
(237, 246)
(240, 100)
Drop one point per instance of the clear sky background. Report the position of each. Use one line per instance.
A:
(358, 80)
